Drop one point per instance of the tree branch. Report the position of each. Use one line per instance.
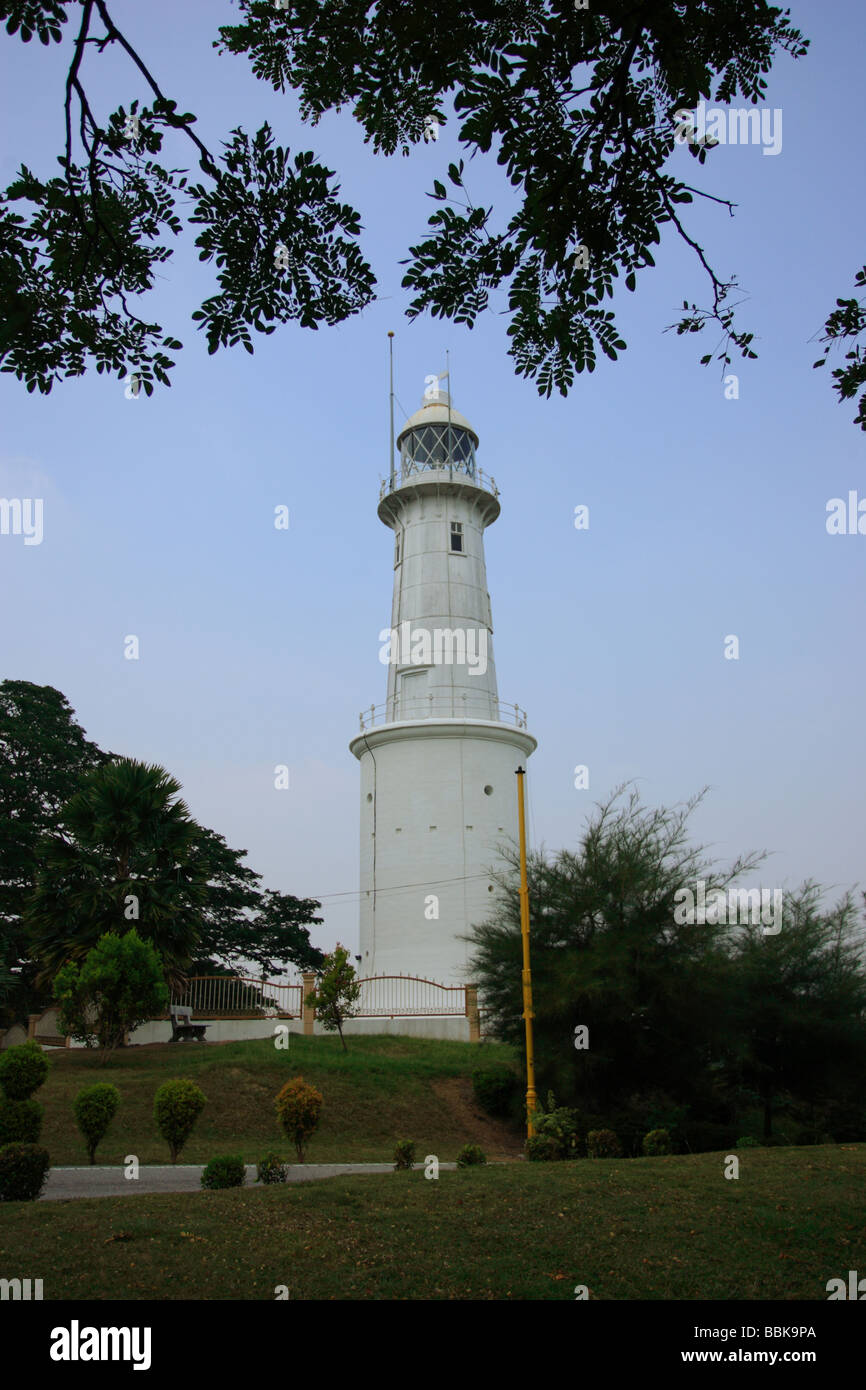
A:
(113, 34)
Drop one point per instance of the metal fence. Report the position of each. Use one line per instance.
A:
(236, 996)
(381, 996)
(398, 996)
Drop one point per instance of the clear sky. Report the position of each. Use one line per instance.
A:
(707, 515)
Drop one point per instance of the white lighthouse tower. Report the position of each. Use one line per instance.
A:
(438, 759)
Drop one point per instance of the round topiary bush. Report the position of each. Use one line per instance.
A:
(495, 1089)
(469, 1155)
(20, 1121)
(271, 1169)
(602, 1143)
(227, 1171)
(22, 1070)
(657, 1142)
(23, 1170)
(176, 1107)
(404, 1154)
(94, 1108)
(298, 1108)
(543, 1148)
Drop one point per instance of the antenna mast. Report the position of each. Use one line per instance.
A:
(391, 458)
(448, 393)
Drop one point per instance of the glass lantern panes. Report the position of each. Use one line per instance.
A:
(427, 447)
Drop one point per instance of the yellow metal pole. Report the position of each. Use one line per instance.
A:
(531, 1098)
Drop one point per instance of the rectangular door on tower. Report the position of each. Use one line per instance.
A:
(413, 695)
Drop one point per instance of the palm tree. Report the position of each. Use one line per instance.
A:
(122, 857)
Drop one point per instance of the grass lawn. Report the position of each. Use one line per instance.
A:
(381, 1090)
(653, 1228)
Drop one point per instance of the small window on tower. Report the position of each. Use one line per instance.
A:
(397, 540)
(457, 536)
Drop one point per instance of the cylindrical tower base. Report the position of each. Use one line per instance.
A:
(438, 800)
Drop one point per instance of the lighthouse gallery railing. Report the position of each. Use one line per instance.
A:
(459, 471)
(442, 706)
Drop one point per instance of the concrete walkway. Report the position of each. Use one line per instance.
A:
(66, 1183)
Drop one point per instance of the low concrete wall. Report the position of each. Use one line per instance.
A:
(158, 1030)
(218, 1029)
(443, 1027)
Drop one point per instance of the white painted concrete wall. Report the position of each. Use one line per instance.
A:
(218, 1030)
(242, 1029)
(444, 1027)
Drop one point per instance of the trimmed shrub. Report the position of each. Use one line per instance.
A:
(543, 1148)
(271, 1169)
(637, 1115)
(748, 1141)
(227, 1171)
(559, 1124)
(404, 1154)
(298, 1108)
(176, 1107)
(496, 1089)
(94, 1108)
(602, 1143)
(22, 1070)
(23, 1170)
(471, 1154)
(118, 986)
(20, 1121)
(657, 1142)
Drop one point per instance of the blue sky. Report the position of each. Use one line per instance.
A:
(707, 515)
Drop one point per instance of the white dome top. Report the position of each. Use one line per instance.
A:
(435, 412)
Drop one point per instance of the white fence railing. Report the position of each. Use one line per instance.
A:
(225, 996)
(381, 996)
(404, 995)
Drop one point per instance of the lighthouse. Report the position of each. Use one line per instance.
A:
(438, 757)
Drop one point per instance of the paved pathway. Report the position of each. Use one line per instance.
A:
(66, 1183)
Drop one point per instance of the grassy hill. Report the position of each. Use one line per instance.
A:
(651, 1228)
(381, 1090)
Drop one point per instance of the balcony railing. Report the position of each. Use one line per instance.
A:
(452, 705)
(461, 473)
